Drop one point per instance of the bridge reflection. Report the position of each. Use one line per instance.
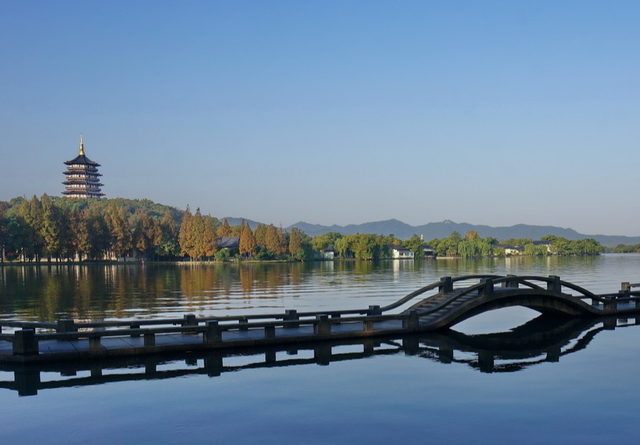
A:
(546, 338)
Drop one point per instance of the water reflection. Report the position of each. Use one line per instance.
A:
(543, 339)
(94, 292)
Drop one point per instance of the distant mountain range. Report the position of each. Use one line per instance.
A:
(445, 228)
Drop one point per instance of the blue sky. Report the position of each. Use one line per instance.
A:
(332, 112)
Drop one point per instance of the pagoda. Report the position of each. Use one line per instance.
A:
(82, 177)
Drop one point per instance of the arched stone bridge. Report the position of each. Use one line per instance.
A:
(451, 304)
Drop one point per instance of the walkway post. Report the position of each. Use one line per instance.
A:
(25, 342)
(213, 334)
(291, 314)
(367, 325)
(610, 305)
(269, 332)
(554, 285)
(94, 343)
(374, 310)
(625, 286)
(66, 325)
(323, 325)
(487, 289)
(511, 283)
(447, 285)
(149, 339)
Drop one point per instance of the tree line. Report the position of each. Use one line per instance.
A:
(61, 229)
(472, 245)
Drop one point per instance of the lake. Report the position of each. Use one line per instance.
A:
(574, 385)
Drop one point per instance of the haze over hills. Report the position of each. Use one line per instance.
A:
(445, 228)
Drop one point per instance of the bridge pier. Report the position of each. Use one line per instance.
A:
(445, 355)
(411, 322)
(322, 354)
(411, 345)
(27, 382)
(213, 364)
(553, 354)
(485, 361)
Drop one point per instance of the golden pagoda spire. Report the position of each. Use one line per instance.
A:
(81, 146)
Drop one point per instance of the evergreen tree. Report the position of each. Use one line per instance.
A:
(169, 246)
(51, 228)
(80, 240)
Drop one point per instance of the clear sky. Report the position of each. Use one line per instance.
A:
(332, 112)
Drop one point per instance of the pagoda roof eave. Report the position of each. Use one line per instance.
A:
(82, 159)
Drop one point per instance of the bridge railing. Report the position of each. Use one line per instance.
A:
(445, 285)
(487, 284)
(25, 341)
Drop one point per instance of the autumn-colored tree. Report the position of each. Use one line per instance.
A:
(260, 234)
(119, 231)
(271, 239)
(471, 235)
(224, 229)
(295, 242)
(247, 242)
(197, 234)
(209, 237)
(283, 242)
(185, 237)
(146, 232)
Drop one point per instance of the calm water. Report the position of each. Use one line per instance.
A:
(577, 385)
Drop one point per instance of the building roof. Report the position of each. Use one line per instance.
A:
(228, 242)
(82, 158)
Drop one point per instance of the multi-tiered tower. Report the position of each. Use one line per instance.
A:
(82, 177)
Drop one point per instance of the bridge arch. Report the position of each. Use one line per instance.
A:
(541, 301)
(451, 305)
